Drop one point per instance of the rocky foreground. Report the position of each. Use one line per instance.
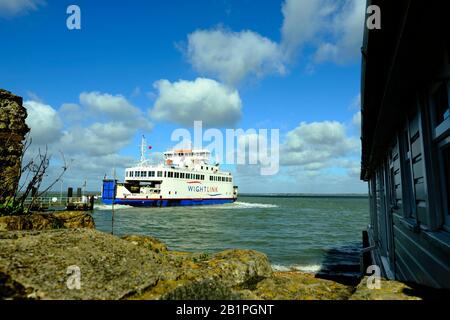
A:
(39, 264)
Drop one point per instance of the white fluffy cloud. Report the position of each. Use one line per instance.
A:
(303, 22)
(95, 131)
(97, 139)
(232, 56)
(346, 30)
(114, 107)
(9, 8)
(44, 122)
(203, 99)
(356, 120)
(314, 145)
(309, 155)
(332, 29)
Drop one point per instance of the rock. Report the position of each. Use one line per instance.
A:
(12, 133)
(146, 242)
(39, 264)
(34, 264)
(389, 290)
(203, 290)
(239, 267)
(74, 219)
(300, 286)
(197, 273)
(43, 221)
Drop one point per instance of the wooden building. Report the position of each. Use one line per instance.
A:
(405, 134)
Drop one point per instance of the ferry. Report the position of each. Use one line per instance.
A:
(184, 178)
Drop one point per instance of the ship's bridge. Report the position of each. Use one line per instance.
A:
(187, 157)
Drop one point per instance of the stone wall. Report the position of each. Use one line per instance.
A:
(12, 133)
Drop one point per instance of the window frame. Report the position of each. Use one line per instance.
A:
(440, 141)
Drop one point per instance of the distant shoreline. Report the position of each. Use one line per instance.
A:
(300, 195)
(259, 195)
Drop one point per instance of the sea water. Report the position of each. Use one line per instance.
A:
(297, 233)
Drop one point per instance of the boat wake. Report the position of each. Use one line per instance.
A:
(109, 207)
(311, 268)
(235, 205)
(243, 205)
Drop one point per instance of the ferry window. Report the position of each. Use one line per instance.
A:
(126, 173)
(177, 174)
(203, 177)
(170, 174)
(197, 176)
(202, 167)
(152, 173)
(159, 174)
(136, 173)
(143, 173)
(182, 175)
(131, 173)
(165, 174)
(210, 178)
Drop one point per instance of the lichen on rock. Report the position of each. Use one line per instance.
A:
(146, 242)
(388, 290)
(12, 133)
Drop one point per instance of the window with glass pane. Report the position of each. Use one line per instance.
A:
(441, 100)
(446, 175)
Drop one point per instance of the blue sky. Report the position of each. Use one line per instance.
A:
(149, 67)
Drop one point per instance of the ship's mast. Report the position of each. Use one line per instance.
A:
(143, 145)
